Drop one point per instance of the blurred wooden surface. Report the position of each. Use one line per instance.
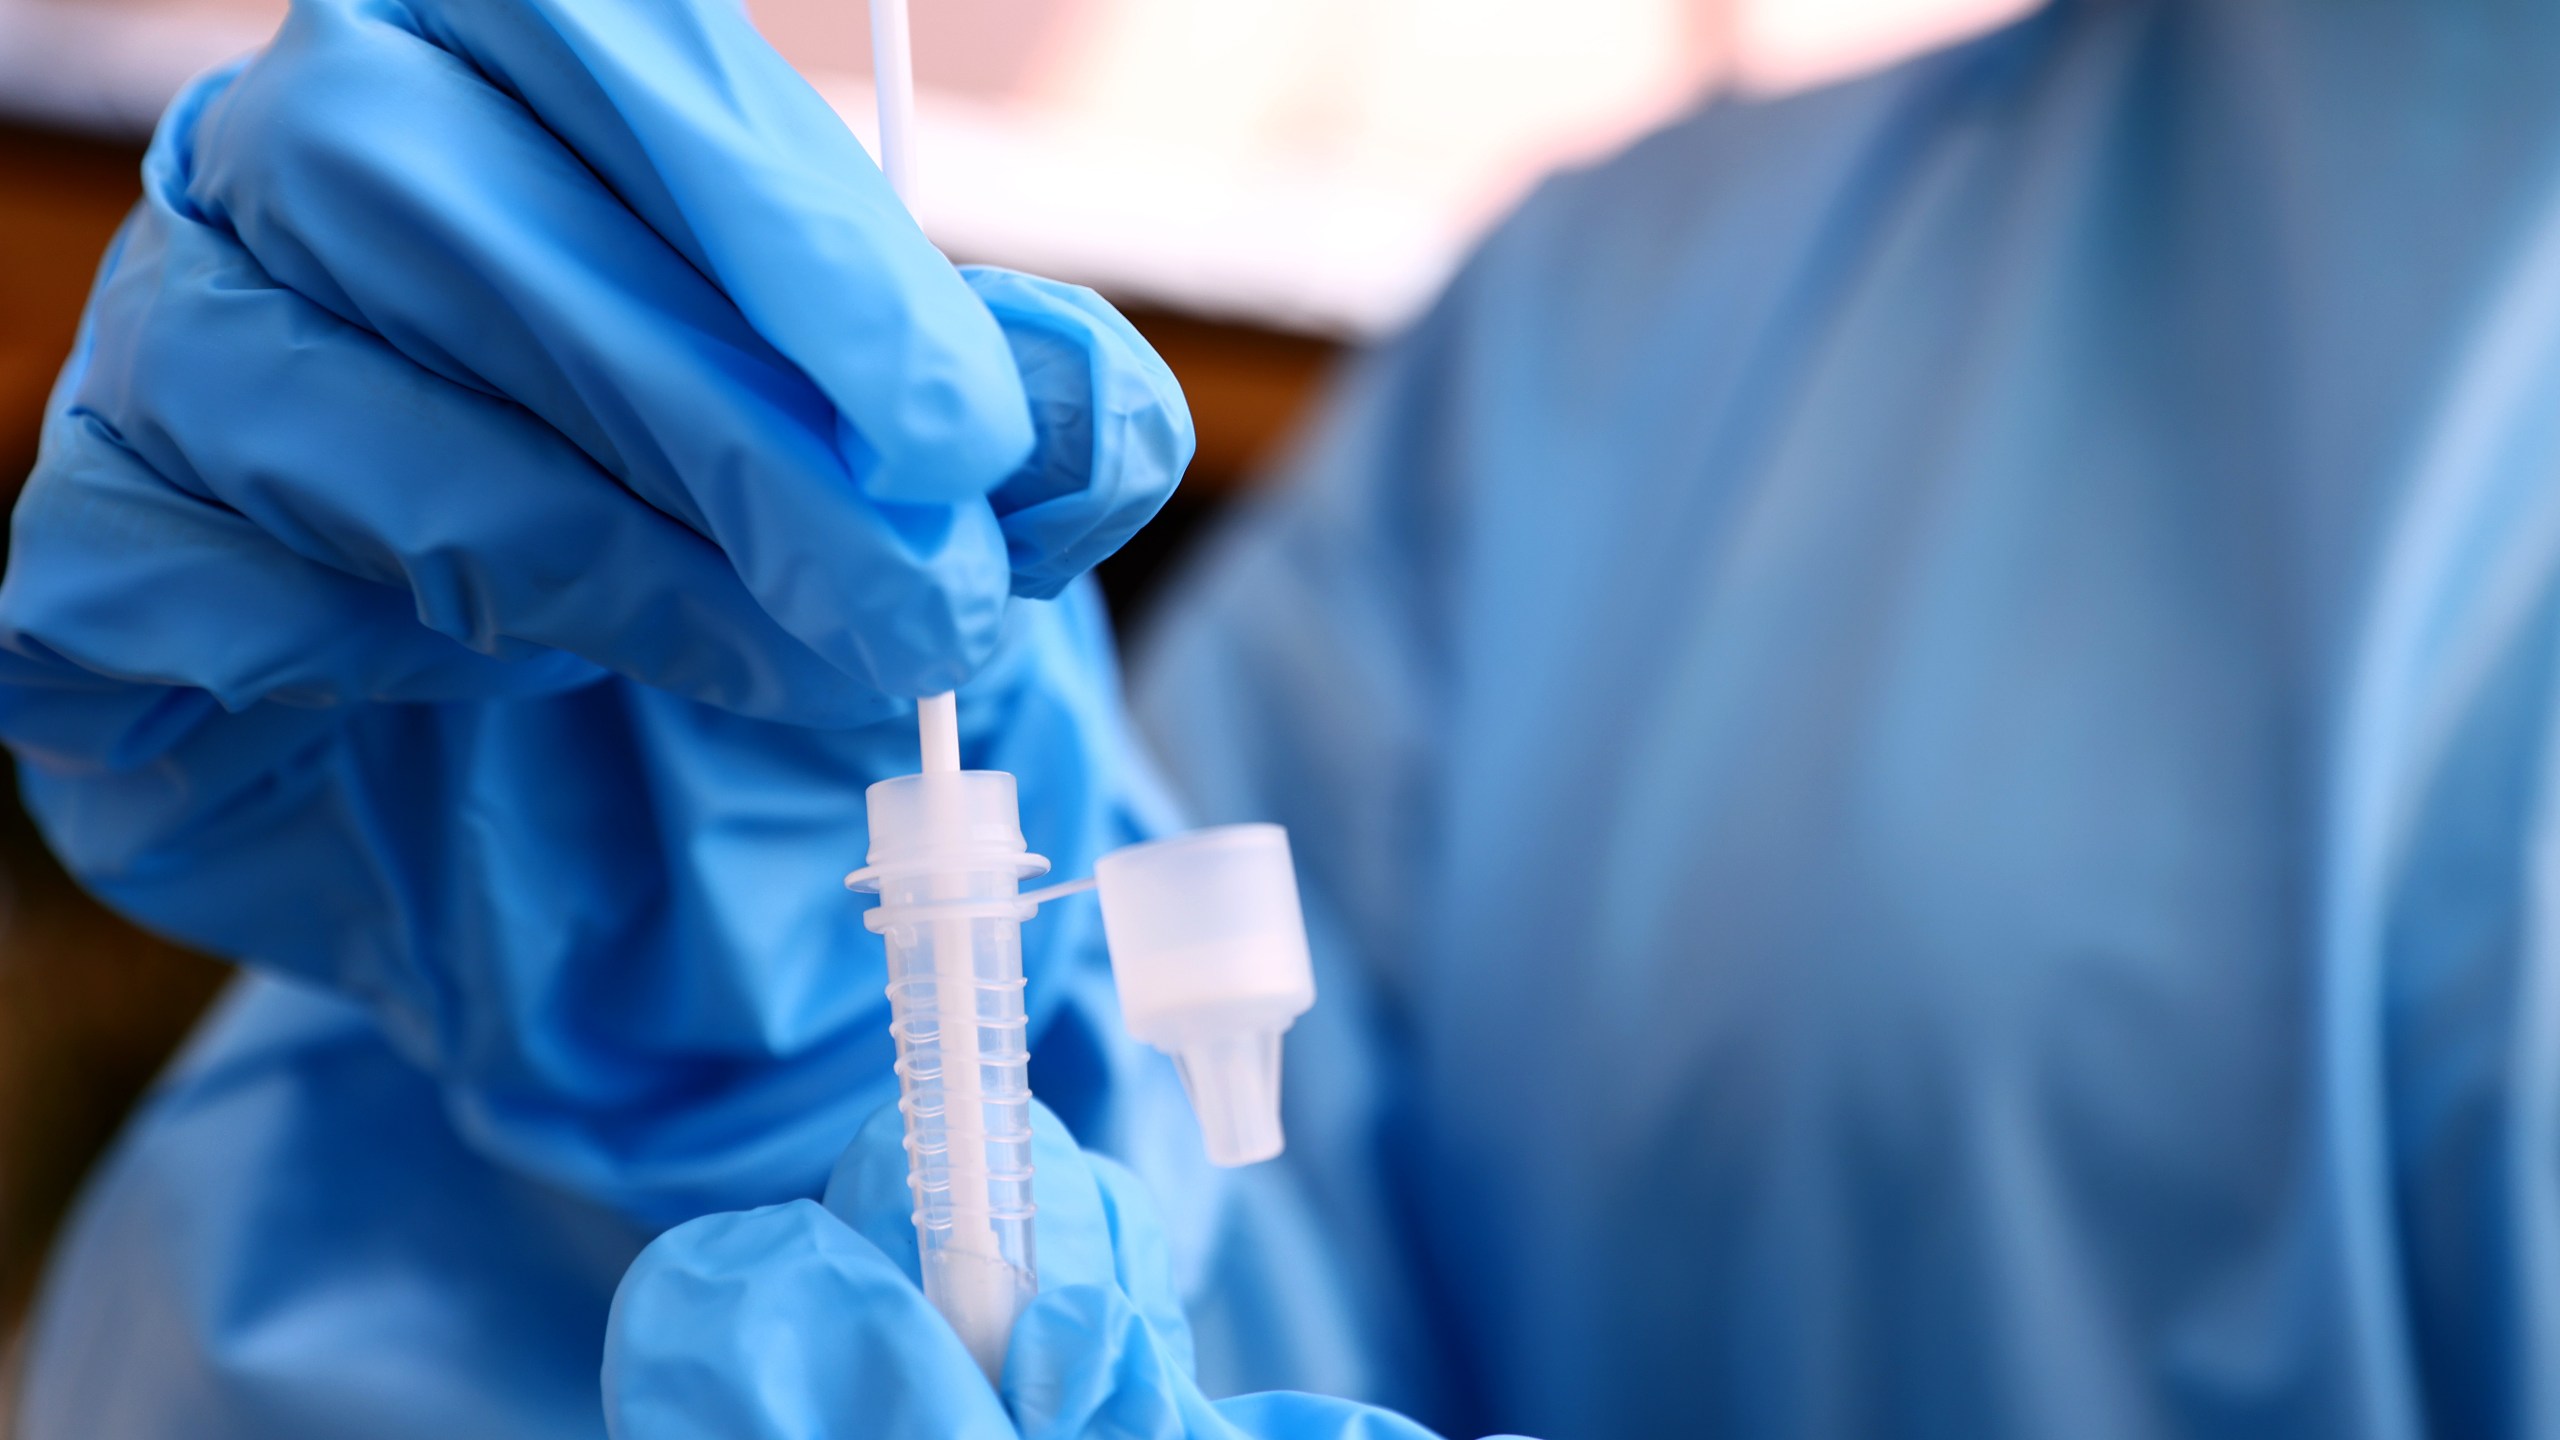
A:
(60, 201)
(89, 1006)
(1247, 389)
(89, 1009)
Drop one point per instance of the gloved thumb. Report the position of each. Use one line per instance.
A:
(777, 1324)
(708, 134)
(1113, 432)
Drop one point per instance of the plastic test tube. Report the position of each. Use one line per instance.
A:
(947, 859)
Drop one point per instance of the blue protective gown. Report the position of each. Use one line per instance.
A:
(1917, 724)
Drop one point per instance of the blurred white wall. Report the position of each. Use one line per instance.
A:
(1313, 164)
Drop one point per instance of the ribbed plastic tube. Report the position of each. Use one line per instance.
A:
(947, 859)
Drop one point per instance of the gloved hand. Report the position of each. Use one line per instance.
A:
(800, 1321)
(581, 328)
(518, 459)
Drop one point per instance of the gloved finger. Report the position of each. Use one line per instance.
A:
(868, 1190)
(387, 180)
(1114, 433)
(781, 1324)
(1085, 1364)
(702, 130)
(498, 532)
(115, 572)
(710, 135)
(1142, 1260)
(61, 719)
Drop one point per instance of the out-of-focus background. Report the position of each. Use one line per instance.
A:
(1261, 183)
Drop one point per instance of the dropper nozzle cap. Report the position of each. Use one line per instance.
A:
(1234, 1084)
(1210, 954)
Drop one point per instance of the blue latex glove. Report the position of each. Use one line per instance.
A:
(518, 459)
(799, 1321)
(581, 335)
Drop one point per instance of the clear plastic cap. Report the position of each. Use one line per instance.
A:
(1210, 952)
(941, 814)
(933, 831)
